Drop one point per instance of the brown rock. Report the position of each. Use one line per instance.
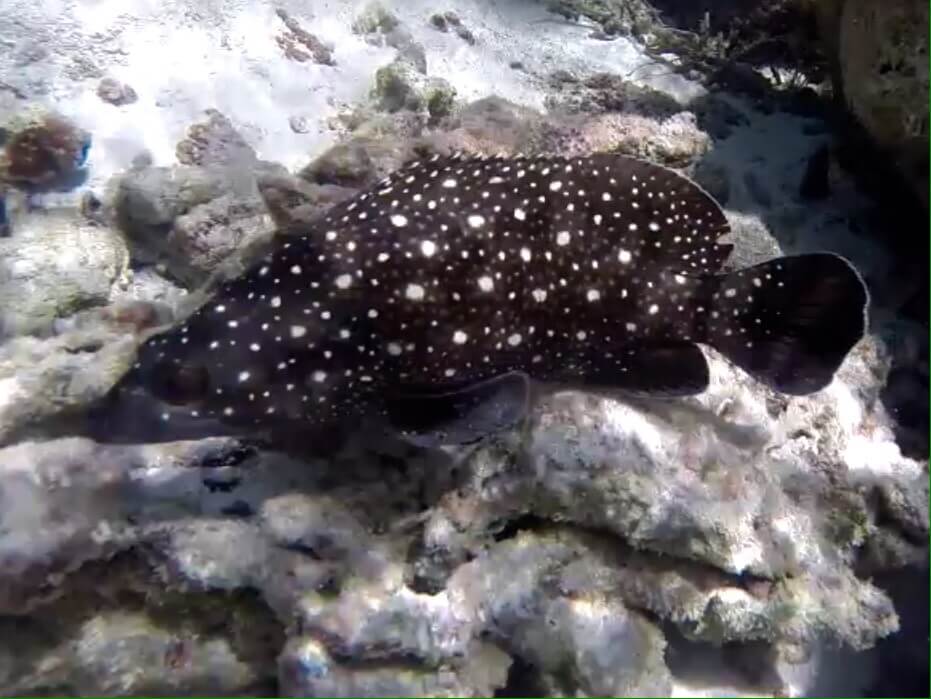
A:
(214, 142)
(50, 149)
(115, 92)
(300, 45)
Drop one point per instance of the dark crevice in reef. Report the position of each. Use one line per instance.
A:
(905, 397)
(748, 667)
(526, 522)
(429, 568)
(903, 656)
(523, 680)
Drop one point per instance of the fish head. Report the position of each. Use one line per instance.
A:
(263, 353)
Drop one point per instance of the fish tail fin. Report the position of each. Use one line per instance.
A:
(789, 322)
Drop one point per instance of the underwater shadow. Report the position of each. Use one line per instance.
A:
(386, 484)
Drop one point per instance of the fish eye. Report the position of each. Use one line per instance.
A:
(180, 384)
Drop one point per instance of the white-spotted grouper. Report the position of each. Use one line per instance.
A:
(436, 300)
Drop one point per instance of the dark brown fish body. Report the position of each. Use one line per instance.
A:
(438, 294)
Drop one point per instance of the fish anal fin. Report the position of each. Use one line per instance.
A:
(460, 414)
(655, 369)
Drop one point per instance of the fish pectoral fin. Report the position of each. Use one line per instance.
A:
(462, 414)
(657, 369)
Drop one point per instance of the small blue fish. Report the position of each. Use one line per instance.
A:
(436, 301)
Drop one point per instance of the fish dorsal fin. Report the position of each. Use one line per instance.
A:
(656, 215)
(659, 216)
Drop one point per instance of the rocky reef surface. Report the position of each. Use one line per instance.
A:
(739, 542)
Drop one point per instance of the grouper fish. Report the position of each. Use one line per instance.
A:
(436, 300)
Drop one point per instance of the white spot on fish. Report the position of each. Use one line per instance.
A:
(298, 331)
(486, 283)
(344, 281)
(593, 295)
(460, 338)
(476, 220)
(624, 256)
(562, 238)
(399, 220)
(428, 248)
(415, 292)
(515, 339)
